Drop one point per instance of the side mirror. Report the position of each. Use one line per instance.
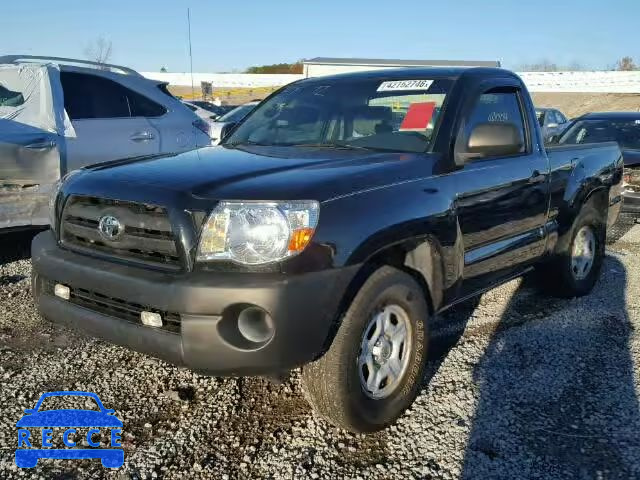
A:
(495, 139)
(552, 125)
(214, 117)
(227, 129)
(553, 139)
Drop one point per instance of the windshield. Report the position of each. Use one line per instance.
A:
(237, 113)
(625, 132)
(398, 115)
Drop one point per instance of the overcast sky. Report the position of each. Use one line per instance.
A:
(227, 35)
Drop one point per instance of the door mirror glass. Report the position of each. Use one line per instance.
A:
(495, 139)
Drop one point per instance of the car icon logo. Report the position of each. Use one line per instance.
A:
(110, 228)
(78, 425)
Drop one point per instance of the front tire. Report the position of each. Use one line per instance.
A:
(374, 367)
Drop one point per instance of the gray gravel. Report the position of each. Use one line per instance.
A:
(531, 387)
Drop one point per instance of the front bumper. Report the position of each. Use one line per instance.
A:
(303, 308)
(631, 202)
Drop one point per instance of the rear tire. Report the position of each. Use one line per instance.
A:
(574, 272)
(347, 386)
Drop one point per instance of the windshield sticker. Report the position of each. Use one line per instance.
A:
(404, 85)
(418, 117)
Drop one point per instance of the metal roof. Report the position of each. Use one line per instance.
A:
(381, 62)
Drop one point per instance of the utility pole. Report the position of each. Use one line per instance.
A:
(193, 94)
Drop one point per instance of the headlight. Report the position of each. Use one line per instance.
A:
(53, 199)
(254, 233)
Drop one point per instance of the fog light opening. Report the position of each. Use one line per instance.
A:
(255, 325)
(62, 291)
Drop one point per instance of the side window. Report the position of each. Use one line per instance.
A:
(497, 107)
(141, 106)
(92, 97)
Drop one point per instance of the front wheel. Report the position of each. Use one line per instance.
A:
(373, 369)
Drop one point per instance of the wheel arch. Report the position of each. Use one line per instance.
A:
(422, 259)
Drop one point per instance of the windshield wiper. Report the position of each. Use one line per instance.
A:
(246, 142)
(336, 146)
(365, 147)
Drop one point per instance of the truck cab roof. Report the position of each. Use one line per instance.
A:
(417, 72)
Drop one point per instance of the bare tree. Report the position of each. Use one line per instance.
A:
(549, 66)
(541, 66)
(626, 64)
(99, 51)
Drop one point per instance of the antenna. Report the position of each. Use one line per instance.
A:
(190, 54)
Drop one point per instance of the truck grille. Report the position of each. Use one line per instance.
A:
(144, 233)
(116, 307)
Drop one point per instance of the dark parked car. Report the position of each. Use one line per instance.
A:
(620, 127)
(552, 121)
(327, 231)
(230, 119)
(218, 110)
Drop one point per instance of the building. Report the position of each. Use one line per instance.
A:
(317, 67)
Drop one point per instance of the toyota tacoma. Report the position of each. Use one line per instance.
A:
(327, 231)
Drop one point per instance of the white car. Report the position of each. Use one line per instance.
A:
(58, 115)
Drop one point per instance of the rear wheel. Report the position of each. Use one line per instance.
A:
(573, 273)
(373, 369)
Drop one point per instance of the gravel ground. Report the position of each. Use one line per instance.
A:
(531, 387)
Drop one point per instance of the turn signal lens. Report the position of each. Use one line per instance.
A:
(300, 239)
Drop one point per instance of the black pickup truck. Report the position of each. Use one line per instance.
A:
(328, 229)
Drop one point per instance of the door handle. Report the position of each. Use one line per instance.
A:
(142, 136)
(537, 177)
(40, 145)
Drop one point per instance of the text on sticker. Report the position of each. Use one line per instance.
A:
(404, 85)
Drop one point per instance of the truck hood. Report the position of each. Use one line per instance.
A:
(259, 172)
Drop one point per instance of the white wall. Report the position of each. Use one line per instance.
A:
(223, 79)
(611, 82)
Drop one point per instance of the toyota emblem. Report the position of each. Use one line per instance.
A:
(110, 228)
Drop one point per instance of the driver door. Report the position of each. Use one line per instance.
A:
(503, 199)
